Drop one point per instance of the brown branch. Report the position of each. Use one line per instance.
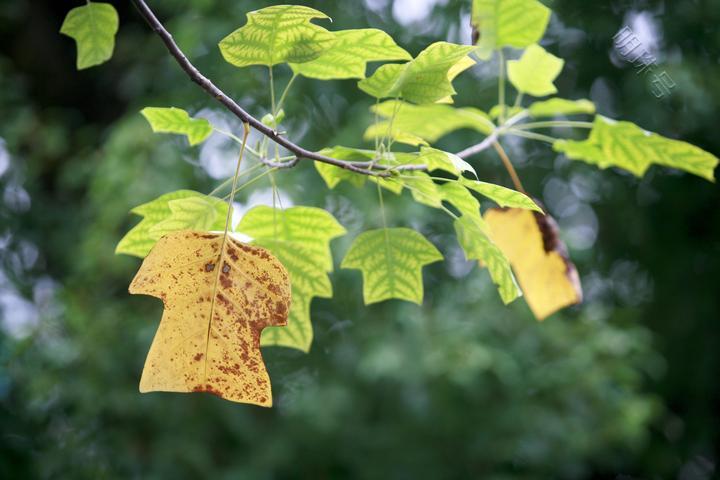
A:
(207, 85)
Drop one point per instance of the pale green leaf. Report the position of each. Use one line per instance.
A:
(627, 146)
(277, 34)
(93, 27)
(334, 175)
(300, 237)
(505, 197)
(391, 262)
(561, 107)
(477, 245)
(448, 162)
(177, 121)
(510, 111)
(460, 197)
(350, 53)
(196, 209)
(426, 79)
(428, 123)
(535, 72)
(508, 23)
(422, 188)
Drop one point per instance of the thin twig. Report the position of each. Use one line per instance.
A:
(492, 138)
(207, 85)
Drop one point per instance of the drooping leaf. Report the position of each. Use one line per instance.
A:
(508, 23)
(560, 107)
(218, 295)
(535, 72)
(531, 242)
(505, 197)
(477, 245)
(391, 262)
(180, 210)
(457, 195)
(177, 121)
(300, 237)
(93, 27)
(426, 79)
(277, 34)
(350, 53)
(414, 124)
(627, 146)
(422, 188)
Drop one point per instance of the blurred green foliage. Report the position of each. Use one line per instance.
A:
(461, 387)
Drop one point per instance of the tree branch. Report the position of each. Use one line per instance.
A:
(207, 85)
(492, 138)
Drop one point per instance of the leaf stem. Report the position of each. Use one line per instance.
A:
(501, 86)
(532, 135)
(553, 124)
(509, 167)
(285, 93)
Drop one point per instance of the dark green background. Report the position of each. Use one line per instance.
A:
(625, 386)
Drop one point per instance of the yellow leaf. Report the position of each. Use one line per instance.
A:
(539, 258)
(218, 296)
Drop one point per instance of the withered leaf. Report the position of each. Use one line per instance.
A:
(539, 258)
(218, 295)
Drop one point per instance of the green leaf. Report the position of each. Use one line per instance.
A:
(180, 210)
(448, 162)
(508, 23)
(561, 107)
(510, 111)
(535, 72)
(350, 53)
(426, 79)
(300, 237)
(277, 34)
(177, 121)
(416, 124)
(93, 27)
(477, 245)
(422, 188)
(627, 146)
(505, 197)
(391, 262)
(457, 195)
(334, 175)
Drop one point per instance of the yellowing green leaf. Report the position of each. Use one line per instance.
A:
(300, 237)
(350, 53)
(535, 72)
(426, 79)
(531, 243)
(277, 34)
(180, 210)
(422, 188)
(448, 162)
(391, 262)
(334, 175)
(414, 124)
(460, 197)
(627, 146)
(473, 238)
(93, 27)
(508, 23)
(560, 107)
(177, 121)
(505, 197)
(218, 296)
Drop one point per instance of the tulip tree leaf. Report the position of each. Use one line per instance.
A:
(218, 296)
(477, 245)
(300, 237)
(439, 160)
(416, 124)
(505, 197)
(561, 107)
(180, 210)
(350, 53)
(391, 262)
(457, 195)
(334, 175)
(531, 242)
(93, 27)
(508, 23)
(426, 79)
(535, 72)
(627, 146)
(177, 121)
(277, 34)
